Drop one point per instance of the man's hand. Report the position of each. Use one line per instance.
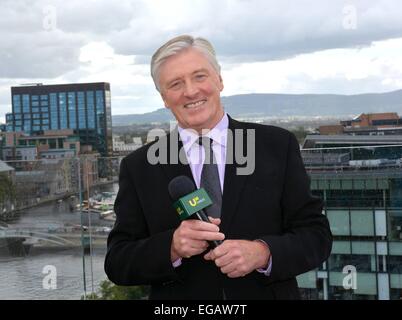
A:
(190, 238)
(236, 258)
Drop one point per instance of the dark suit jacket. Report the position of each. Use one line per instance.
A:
(274, 204)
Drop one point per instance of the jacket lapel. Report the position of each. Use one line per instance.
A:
(233, 183)
(174, 167)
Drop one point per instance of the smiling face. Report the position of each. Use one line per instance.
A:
(190, 87)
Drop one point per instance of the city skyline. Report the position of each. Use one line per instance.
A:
(263, 46)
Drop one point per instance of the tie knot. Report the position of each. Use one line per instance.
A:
(205, 141)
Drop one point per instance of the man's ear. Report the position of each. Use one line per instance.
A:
(221, 86)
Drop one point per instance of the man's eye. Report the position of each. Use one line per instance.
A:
(200, 76)
(175, 85)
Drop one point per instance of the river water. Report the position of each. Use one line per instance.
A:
(53, 273)
(25, 278)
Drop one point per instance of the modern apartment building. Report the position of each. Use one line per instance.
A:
(83, 107)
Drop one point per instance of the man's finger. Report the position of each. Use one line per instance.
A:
(235, 274)
(198, 244)
(206, 235)
(203, 226)
(208, 256)
(223, 260)
(215, 221)
(229, 268)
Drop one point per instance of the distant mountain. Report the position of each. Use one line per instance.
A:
(160, 115)
(284, 105)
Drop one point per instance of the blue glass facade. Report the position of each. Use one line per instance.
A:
(84, 108)
(91, 109)
(54, 112)
(82, 117)
(72, 111)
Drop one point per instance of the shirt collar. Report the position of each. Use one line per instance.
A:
(218, 134)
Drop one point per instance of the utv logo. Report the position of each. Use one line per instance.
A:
(196, 201)
(193, 202)
(179, 210)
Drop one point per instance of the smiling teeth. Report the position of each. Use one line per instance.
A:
(195, 104)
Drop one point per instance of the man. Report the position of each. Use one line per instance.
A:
(272, 228)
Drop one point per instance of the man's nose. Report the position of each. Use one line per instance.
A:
(190, 89)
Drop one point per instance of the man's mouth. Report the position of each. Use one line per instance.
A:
(194, 105)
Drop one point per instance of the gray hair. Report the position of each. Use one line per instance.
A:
(176, 45)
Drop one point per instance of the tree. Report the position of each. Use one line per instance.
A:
(109, 291)
(7, 190)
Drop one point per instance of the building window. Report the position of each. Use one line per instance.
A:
(27, 127)
(71, 110)
(100, 113)
(53, 111)
(17, 103)
(90, 110)
(63, 110)
(25, 103)
(81, 110)
(52, 143)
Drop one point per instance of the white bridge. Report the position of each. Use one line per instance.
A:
(35, 235)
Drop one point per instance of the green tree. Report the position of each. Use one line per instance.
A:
(110, 291)
(7, 189)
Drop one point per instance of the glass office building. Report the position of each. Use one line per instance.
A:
(82, 107)
(360, 181)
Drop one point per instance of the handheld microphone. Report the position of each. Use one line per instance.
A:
(190, 201)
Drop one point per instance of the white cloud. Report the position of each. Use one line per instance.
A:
(350, 69)
(131, 84)
(263, 45)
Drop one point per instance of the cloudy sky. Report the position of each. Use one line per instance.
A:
(264, 46)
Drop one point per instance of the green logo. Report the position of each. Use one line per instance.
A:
(192, 203)
(179, 211)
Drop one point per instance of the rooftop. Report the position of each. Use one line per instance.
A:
(40, 88)
(312, 139)
(4, 167)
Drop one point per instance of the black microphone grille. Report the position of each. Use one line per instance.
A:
(180, 186)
